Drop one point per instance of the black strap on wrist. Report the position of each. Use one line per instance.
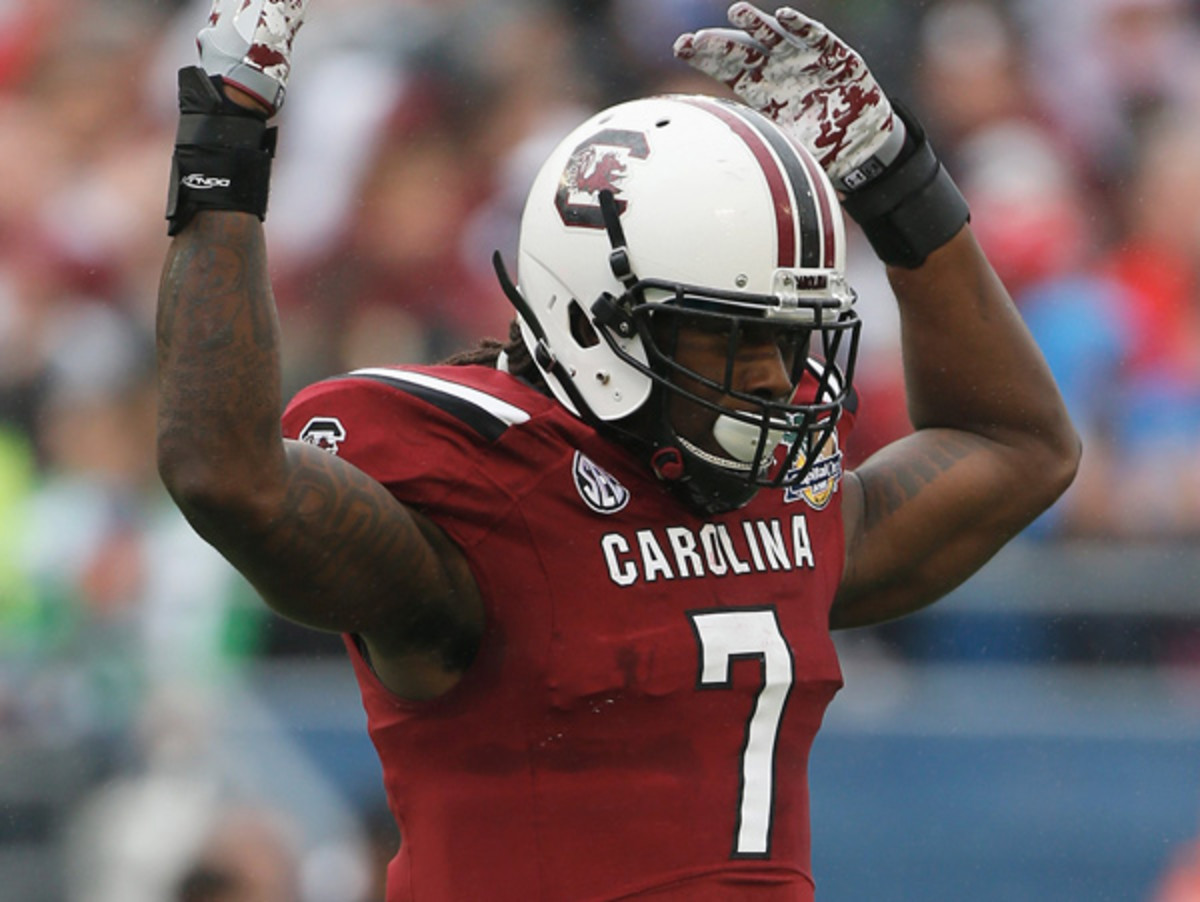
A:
(911, 208)
(223, 153)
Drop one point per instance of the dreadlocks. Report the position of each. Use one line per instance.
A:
(488, 351)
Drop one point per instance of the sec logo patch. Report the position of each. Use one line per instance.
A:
(598, 488)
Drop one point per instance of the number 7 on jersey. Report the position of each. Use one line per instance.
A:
(726, 636)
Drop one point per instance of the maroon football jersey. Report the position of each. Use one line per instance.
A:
(638, 720)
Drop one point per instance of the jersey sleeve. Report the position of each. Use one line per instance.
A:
(435, 443)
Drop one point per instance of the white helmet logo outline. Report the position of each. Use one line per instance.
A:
(597, 164)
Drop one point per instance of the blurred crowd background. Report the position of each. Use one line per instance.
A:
(411, 133)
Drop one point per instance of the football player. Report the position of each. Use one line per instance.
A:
(587, 578)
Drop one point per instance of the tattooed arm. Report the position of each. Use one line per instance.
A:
(993, 446)
(323, 543)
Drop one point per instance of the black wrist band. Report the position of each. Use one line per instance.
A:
(223, 154)
(913, 207)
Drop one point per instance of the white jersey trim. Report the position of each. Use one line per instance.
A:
(502, 410)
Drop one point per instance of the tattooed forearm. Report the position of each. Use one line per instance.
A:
(324, 543)
(894, 484)
(215, 290)
(217, 342)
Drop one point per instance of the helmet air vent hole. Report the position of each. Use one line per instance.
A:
(581, 327)
(662, 123)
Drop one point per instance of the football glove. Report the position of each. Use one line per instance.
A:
(812, 84)
(248, 44)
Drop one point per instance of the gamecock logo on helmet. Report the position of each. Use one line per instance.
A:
(598, 163)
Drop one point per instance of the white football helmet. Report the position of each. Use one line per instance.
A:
(701, 209)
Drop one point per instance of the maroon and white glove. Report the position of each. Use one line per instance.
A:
(248, 44)
(811, 83)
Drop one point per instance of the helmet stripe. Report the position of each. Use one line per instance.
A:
(785, 221)
(829, 242)
(812, 201)
(800, 200)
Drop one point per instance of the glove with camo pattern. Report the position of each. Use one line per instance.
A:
(248, 44)
(811, 83)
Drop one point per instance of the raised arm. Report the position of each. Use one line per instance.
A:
(323, 543)
(993, 446)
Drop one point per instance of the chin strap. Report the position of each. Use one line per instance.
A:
(618, 260)
(612, 312)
